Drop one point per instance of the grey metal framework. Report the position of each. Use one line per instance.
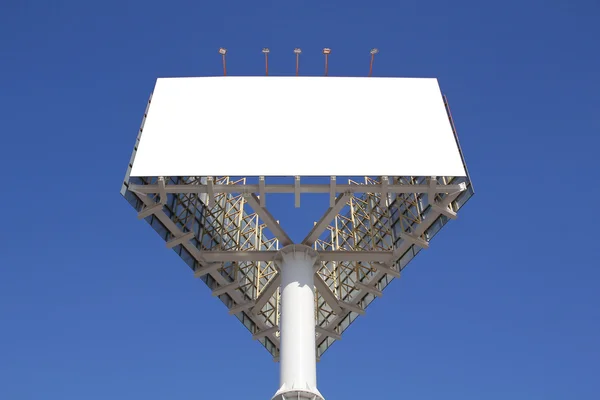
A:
(221, 228)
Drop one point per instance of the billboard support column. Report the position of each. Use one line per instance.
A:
(297, 358)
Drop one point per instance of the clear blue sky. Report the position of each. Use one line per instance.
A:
(505, 304)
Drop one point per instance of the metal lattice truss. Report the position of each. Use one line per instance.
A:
(223, 230)
(367, 236)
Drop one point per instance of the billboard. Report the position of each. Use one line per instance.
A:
(297, 126)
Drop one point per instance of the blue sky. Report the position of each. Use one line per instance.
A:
(505, 303)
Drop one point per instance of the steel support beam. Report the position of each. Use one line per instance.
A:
(210, 190)
(266, 294)
(241, 307)
(265, 332)
(408, 238)
(445, 210)
(385, 183)
(297, 192)
(386, 269)
(225, 289)
(210, 268)
(327, 294)
(292, 188)
(151, 210)
(416, 240)
(368, 288)
(326, 332)
(179, 240)
(268, 219)
(162, 194)
(269, 255)
(351, 307)
(432, 192)
(261, 191)
(318, 229)
(332, 191)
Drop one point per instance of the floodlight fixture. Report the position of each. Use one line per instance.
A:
(326, 51)
(223, 52)
(297, 298)
(266, 52)
(297, 51)
(373, 52)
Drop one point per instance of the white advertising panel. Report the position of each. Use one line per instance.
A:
(287, 126)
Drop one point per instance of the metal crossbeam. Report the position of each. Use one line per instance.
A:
(369, 288)
(225, 289)
(351, 307)
(445, 210)
(327, 294)
(178, 240)
(417, 241)
(269, 255)
(265, 332)
(326, 332)
(241, 307)
(267, 293)
(150, 210)
(410, 238)
(318, 229)
(291, 188)
(268, 219)
(385, 269)
(210, 268)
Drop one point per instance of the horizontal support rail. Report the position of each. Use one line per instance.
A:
(269, 255)
(292, 188)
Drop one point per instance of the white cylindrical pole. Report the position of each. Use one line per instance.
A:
(297, 352)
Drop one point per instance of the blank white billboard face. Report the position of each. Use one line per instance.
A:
(287, 126)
